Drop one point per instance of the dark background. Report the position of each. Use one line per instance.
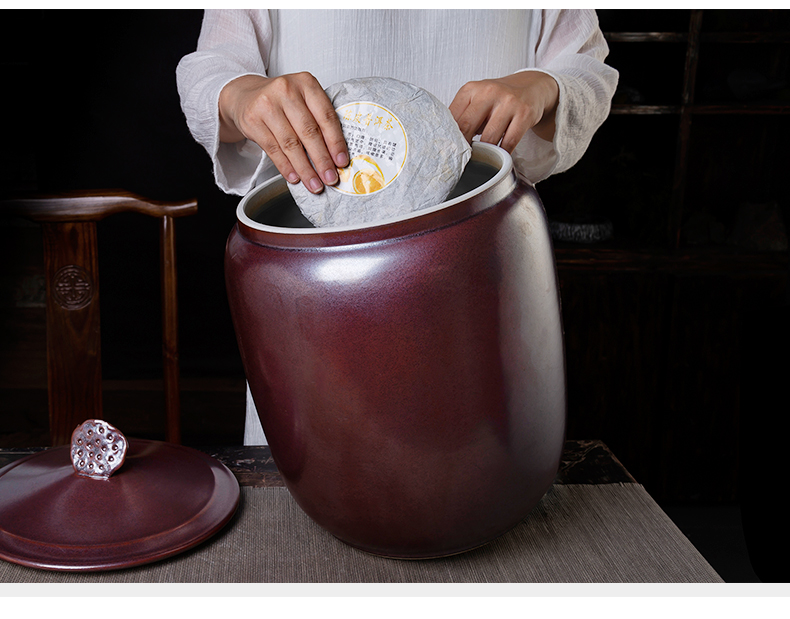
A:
(94, 105)
(676, 353)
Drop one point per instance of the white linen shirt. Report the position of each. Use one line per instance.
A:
(438, 50)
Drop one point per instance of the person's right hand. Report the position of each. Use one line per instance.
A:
(292, 120)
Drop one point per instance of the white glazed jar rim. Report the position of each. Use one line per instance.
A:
(274, 188)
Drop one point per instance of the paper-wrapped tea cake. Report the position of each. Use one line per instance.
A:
(406, 153)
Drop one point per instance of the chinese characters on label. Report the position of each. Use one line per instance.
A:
(377, 147)
(360, 143)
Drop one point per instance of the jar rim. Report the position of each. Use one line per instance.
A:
(275, 187)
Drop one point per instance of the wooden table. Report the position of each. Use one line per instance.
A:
(583, 462)
(596, 524)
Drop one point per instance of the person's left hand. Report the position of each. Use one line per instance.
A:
(504, 109)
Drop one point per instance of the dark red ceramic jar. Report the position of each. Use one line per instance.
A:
(409, 375)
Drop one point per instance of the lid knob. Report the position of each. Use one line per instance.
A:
(97, 449)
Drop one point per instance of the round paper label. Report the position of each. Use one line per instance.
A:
(377, 148)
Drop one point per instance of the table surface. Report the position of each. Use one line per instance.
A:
(596, 524)
(583, 462)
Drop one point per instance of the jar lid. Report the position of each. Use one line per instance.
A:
(164, 500)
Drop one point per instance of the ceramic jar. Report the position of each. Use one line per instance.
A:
(409, 375)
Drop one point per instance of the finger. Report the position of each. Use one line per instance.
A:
(472, 108)
(514, 134)
(317, 126)
(459, 108)
(495, 127)
(283, 112)
(288, 144)
(459, 103)
(473, 119)
(266, 140)
(325, 115)
(518, 127)
(321, 110)
(311, 141)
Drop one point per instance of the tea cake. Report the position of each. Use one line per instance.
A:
(406, 153)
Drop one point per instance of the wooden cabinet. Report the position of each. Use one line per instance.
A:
(689, 168)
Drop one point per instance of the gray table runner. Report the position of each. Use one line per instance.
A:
(577, 534)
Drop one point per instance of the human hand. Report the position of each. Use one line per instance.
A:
(292, 120)
(506, 108)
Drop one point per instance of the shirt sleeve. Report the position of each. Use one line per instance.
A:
(232, 43)
(571, 48)
(566, 44)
